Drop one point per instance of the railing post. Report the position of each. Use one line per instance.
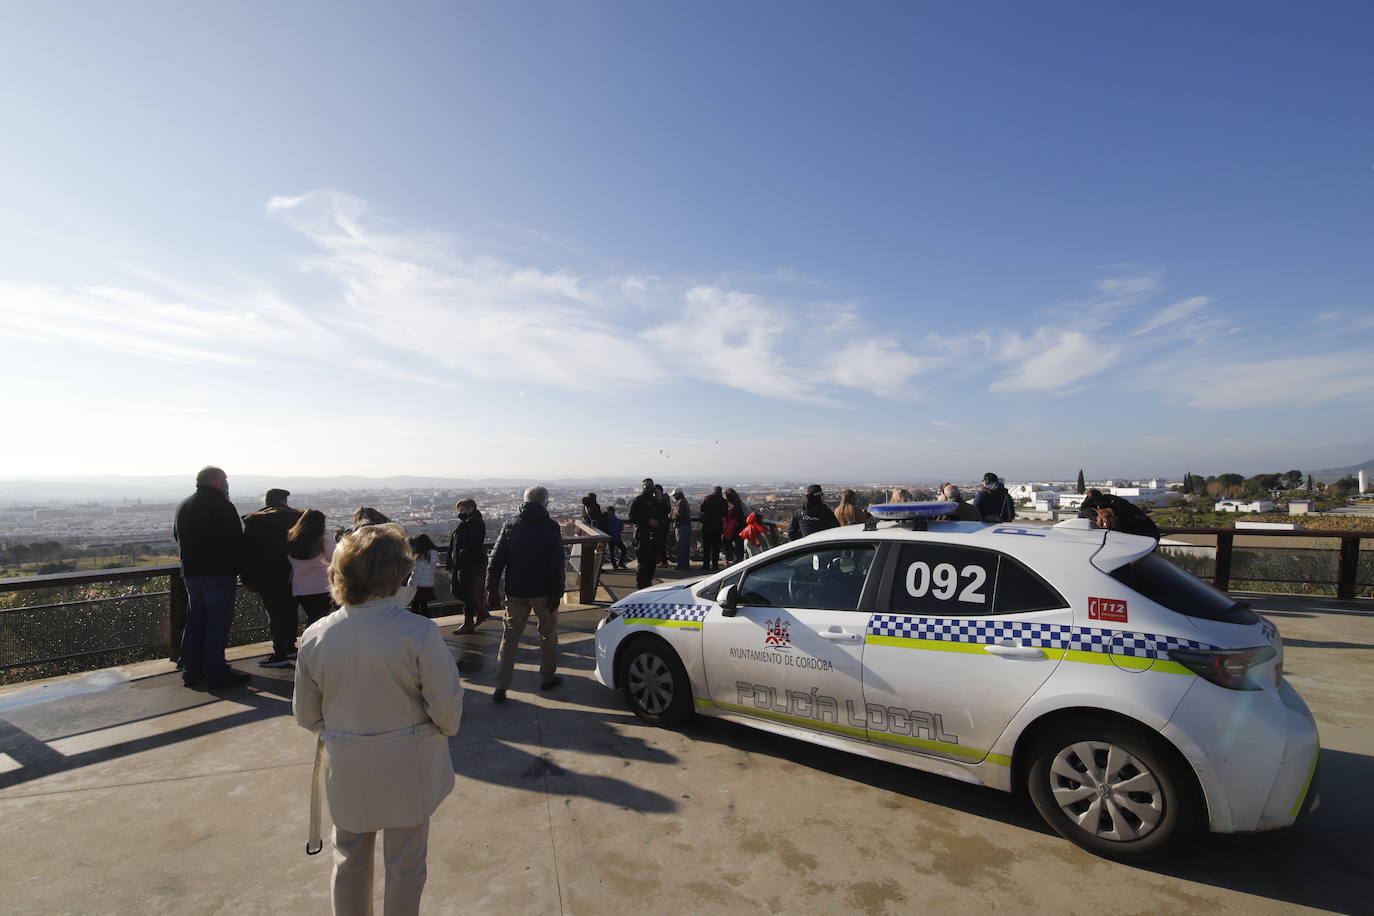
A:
(1221, 575)
(589, 569)
(176, 614)
(1347, 568)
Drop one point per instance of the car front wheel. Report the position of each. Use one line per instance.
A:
(655, 683)
(1115, 792)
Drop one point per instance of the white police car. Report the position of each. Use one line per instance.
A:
(1131, 700)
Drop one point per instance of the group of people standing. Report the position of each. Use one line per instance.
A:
(374, 680)
(728, 527)
(724, 525)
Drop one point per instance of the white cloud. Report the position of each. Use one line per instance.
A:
(880, 366)
(1172, 314)
(1051, 360)
(420, 307)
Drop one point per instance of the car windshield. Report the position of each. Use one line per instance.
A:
(1164, 583)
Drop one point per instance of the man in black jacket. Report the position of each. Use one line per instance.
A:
(1107, 510)
(529, 554)
(209, 537)
(713, 509)
(467, 564)
(993, 502)
(649, 516)
(267, 571)
(814, 516)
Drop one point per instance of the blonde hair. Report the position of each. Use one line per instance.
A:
(847, 512)
(372, 562)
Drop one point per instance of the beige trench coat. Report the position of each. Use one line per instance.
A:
(381, 687)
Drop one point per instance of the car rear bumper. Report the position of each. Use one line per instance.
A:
(1254, 752)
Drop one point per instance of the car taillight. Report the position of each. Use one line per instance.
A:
(1229, 668)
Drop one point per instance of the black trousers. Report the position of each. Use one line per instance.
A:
(280, 606)
(646, 557)
(315, 606)
(469, 587)
(710, 546)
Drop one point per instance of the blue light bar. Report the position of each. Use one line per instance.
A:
(899, 511)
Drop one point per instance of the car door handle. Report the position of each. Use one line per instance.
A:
(839, 636)
(1015, 651)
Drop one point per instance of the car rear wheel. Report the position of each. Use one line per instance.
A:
(655, 683)
(1116, 792)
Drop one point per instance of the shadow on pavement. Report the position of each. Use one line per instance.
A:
(1325, 861)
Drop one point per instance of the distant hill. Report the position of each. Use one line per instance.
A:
(1332, 474)
(60, 488)
(85, 488)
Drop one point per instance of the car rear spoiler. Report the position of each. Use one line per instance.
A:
(1117, 548)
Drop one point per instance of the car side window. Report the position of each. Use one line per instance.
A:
(947, 579)
(710, 592)
(831, 578)
(1020, 590)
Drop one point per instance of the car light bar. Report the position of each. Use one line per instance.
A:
(901, 511)
(1229, 668)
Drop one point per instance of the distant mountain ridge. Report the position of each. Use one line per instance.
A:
(1330, 474)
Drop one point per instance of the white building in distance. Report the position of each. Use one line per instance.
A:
(1244, 505)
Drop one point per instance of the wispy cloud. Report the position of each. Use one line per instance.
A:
(1294, 381)
(1172, 314)
(395, 302)
(1051, 360)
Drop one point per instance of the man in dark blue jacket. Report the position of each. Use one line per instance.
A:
(209, 537)
(529, 554)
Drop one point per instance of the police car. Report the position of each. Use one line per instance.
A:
(1133, 702)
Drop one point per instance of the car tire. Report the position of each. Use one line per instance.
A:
(1118, 792)
(655, 683)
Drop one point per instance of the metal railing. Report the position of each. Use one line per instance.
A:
(1228, 566)
(64, 622)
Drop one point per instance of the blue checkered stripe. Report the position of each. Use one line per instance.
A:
(1042, 635)
(695, 612)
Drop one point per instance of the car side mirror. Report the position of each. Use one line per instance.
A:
(728, 599)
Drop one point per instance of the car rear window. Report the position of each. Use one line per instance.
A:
(1165, 584)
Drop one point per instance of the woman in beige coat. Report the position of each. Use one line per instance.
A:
(380, 687)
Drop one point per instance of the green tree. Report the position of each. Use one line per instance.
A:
(1261, 484)
(1292, 480)
(1081, 481)
(1230, 480)
(1311, 487)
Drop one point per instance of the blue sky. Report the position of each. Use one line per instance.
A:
(842, 242)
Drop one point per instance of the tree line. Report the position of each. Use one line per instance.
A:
(1237, 486)
(44, 557)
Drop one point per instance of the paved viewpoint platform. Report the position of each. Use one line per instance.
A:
(123, 792)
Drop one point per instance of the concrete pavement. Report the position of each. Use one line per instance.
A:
(123, 792)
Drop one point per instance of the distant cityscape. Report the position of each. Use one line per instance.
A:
(114, 523)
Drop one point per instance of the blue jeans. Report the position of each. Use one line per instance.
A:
(209, 613)
(684, 546)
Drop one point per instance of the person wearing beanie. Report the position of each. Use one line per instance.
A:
(267, 571)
